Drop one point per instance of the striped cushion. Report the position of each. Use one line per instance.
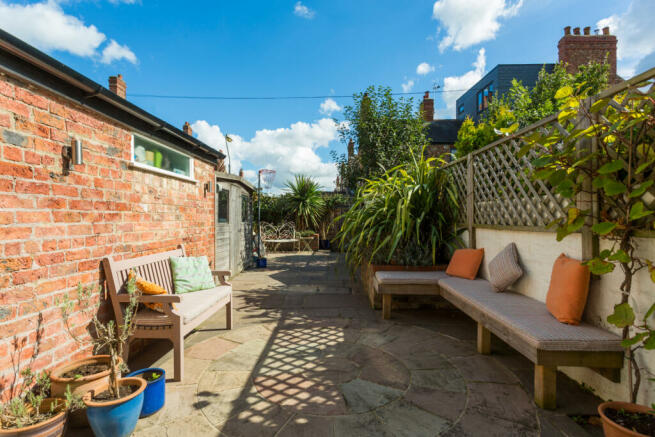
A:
(504, 269)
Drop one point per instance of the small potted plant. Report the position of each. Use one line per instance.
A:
(113, 407)
(619, 172)
(29, 410)
(154, 395)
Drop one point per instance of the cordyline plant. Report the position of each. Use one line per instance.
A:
(107, 336)
(406, 217)
(305, 201)
(607, 149)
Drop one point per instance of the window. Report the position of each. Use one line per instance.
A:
(461, 108)
(485, 96)
(223, 214)
(245, 208)
(157, 157)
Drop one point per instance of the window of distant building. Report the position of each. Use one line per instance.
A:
(484, 97)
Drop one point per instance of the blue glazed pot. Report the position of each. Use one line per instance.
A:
(154, 395)
(115, 418)
(261, 263)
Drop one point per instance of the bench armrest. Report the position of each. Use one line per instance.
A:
(151, 298)
(221, 275)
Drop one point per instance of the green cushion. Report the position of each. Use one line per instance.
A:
(191, 274)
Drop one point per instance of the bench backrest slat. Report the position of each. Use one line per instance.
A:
(154, 268)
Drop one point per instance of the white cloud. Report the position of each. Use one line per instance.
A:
(303, 11)
(288, 151)
(407, 86)
(114, 52)
(424, 68)
(46, 26)
(470, 22)
(461, 83)
(635, 33)
(329, 106)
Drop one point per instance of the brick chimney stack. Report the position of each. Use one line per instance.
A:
(351, 148)
(187, 129)
(576, 49)
(117, 85)
(427, 107)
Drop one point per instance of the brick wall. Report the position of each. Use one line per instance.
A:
(576, 50)
(55, 229)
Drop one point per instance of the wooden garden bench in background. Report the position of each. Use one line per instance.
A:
(173, 324)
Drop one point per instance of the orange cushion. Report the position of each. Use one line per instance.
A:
(150, 288)
(465, 263)
(567, 294)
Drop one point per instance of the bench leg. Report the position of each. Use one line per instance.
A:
(545, 386)
(228, 314)
(386, 306)
(178, 356)
(484, 340)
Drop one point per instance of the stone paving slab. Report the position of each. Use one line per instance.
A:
(309, 357)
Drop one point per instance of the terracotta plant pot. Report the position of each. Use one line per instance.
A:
(613, 429)
(115, 418)
(369, 270)
(53, 427)
(79, 386)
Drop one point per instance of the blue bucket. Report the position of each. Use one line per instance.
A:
(261, 263)
(154, 396)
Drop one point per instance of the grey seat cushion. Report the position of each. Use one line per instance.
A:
(527, 317)
(194, 303)
(408, 278)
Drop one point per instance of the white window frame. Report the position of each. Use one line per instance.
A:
(154, 169)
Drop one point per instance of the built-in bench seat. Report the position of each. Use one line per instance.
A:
(522, 322)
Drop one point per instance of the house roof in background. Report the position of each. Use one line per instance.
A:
(23, 61)
(443, 131)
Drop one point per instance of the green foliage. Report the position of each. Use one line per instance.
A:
(305, 201)
(472, 137)
(406, 216)
(521, 106)
(611, 152)
(387, 132)
(274, 209)
(24, 408)
(332, 205)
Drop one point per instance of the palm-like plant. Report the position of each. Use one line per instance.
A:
(407, 216)
(305, 201)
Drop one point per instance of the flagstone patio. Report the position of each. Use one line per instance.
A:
(309, 357)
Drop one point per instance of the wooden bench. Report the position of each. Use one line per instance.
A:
(173, 324)
(520, 321)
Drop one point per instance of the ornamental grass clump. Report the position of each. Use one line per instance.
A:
(407, 216)
(605, 152)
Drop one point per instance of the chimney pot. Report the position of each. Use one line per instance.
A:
(240, 172)
(587, 30)
(606, 30)
(576, 31)
(117, 85)
(187, 128)
(427, 95)
(567, 30)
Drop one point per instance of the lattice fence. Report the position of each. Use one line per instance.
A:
(503, 192)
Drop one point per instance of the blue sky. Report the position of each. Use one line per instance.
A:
(308, 48)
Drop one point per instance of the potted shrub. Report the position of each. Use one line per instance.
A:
(609, 153)
(404, 219)
(154, 395)
(112, 408)
(30, 411)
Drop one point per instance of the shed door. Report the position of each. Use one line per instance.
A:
(222, 222)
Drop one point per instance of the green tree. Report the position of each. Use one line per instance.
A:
(387, 132)
(472, 136)
(305, 201)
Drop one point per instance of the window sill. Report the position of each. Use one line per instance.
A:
(161, 172)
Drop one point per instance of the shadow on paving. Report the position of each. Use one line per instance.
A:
(309, 357)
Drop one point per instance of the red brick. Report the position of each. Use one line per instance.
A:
(15, 264)
(48, 119)
(6, 89)
(24, 125)
(29, 276)
(66, 216)
(14, 106)
(76, 255)
(50, 258)
(5, 120)
(64, 190)
(15, 170)
(31, 98)
(33, 217)
(32, 187)
(11, 153)
(51, 203)
(15, 233)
